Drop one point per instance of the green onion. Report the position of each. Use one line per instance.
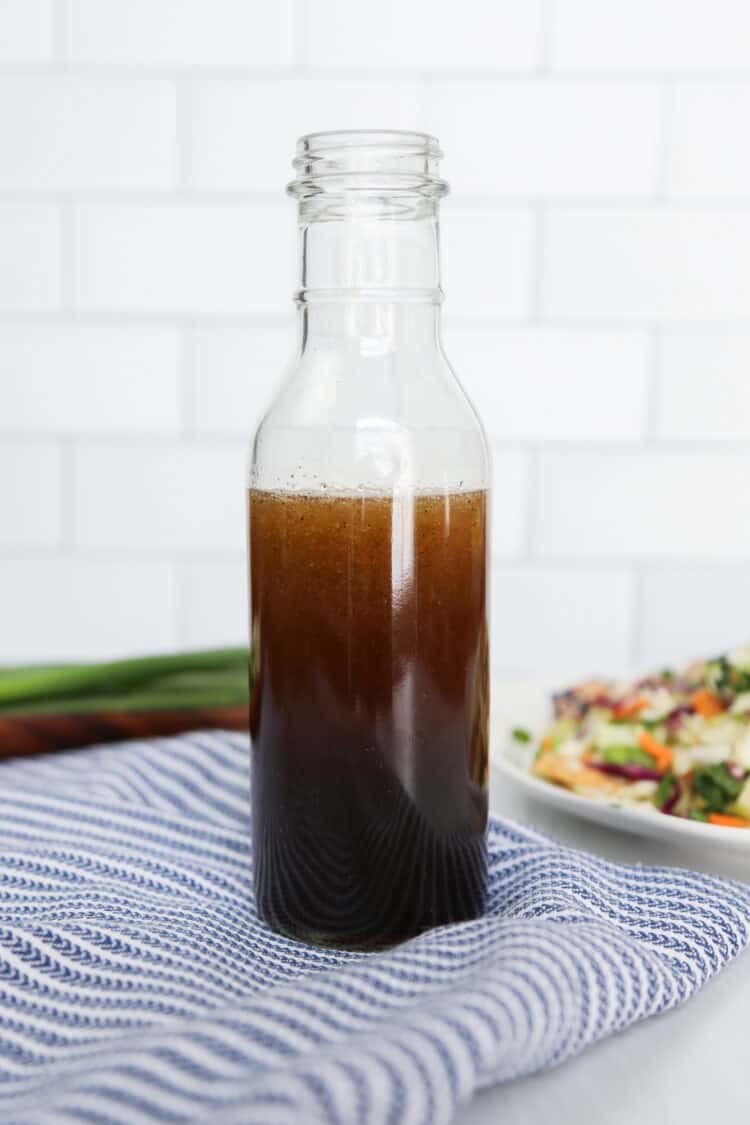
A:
(213, 678)
(625, 755)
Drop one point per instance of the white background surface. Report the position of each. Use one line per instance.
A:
(597, 266)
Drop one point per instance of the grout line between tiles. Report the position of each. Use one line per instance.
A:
(187, 377)
(67, 221)
(536, 273)
(635, 617)
(60, 34)
(664, 149)
(602, 202)
(300, 35)
(183, 136)
(66, 496)
(547, 16)
(532, 503)
(181, 574)
(651, 418)
(450, 75)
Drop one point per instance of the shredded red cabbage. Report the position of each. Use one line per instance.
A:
(672, 799)
(633, 771)
(674, 721)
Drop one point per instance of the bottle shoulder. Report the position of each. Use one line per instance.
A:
(382, 421)
(413, 392)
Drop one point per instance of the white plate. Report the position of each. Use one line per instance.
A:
(528, 706)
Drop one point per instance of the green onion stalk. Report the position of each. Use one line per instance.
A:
(214, 678)
(65, 706)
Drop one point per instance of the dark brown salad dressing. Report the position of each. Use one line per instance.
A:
(369, 712)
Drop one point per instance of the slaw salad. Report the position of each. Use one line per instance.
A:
(676, 741)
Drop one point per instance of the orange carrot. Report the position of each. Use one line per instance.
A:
(629, 707)
(546, 743)
(728, 820)
(706, 703)
(661, 754)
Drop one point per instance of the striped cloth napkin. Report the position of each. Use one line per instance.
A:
(138, 984)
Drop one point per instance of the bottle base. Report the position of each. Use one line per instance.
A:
(372, 944)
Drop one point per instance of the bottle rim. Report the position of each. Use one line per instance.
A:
(367, 161)
(344, 138)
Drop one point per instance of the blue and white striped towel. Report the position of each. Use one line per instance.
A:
(137, 984)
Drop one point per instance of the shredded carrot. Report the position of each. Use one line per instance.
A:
(728, 820)
(629, 707)
(706, 703)
(546, 743)
(661, 754)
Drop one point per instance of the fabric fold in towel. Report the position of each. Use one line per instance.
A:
(139, 986)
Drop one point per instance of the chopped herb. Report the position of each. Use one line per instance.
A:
(716, 786)
(725, 677)
(664, 789)
(521, 734)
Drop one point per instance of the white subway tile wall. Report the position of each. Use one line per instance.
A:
(236, 370)
(30, 494)
(69, 378)
(647, 263)
(549, 136)
(26, 31)
(645, 504)
(488, 261)
(670, 629)
(216, 604)
(509, 502)
(31, 261)
(596, 261)
(179, 33)
(477, 33)
(77, 134)
(158, 496)
(73, 608)
(180, 257)
(546, 384)
(584, 619)
(238, 146)
(705, 159)
(667, 35)
(703, 391)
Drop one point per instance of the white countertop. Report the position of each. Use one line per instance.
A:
(686, 1066)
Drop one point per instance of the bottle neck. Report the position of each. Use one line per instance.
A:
(365, 256)
(370, 276)
(371, 326)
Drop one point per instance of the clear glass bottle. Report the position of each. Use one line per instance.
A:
(368, 530)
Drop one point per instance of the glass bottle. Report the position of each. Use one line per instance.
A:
(368, 531)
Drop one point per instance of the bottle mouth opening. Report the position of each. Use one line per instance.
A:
(367, 161)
